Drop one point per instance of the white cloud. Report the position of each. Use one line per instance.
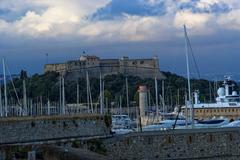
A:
(196, 22)
(61, 17)
(130, 28)
(230, 20)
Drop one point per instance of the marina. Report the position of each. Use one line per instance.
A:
(119, 80)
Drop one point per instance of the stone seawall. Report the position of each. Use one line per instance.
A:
(34, 129)
(223, 143)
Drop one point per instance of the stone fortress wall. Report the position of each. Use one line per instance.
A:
(35, 129)
(208, 143)
(145, 68)
(215, 143)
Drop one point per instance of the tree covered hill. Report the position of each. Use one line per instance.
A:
(46, 86)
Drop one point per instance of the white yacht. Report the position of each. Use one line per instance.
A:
(227, 104)
(121, 124)
(212, 123)
(121, 121)
(235, 123)
(167, 123)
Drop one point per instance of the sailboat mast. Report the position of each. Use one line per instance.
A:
(60, 94)
(5, 89)
(1, 105)
(127, 96)
(163, 95)
(120, 104)
(77, 94)
(101, 96)
(89, 95)
(188, 76)
(25, 112)
(87, 92)
(156, 94)
(48, 107)
(63, 96)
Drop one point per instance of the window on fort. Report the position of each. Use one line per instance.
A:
(141, 62)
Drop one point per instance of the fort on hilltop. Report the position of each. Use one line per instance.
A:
(144, 68)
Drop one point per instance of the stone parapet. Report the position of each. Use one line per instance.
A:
(35, 129)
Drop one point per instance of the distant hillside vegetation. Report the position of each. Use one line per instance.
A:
(47, 86)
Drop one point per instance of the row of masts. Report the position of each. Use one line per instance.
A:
(26, 107)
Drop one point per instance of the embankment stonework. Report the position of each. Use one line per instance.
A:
(35, 129)
(223, 143)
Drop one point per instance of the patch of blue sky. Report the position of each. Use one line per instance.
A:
(7, 15)
(117, 8)
(11, 16)
(212, 8)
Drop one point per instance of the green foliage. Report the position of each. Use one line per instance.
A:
(46, 86)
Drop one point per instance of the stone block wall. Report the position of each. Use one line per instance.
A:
(177, 144)
(31, 129)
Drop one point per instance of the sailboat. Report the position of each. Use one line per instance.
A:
(169, 122)
(189, 109)
(7, 110)
(121, 123)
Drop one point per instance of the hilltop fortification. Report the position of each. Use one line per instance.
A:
(145, 68)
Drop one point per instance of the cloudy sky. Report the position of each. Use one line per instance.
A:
(114, 28)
